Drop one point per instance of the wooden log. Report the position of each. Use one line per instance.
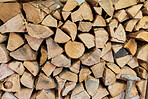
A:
(57, 15)
(48, 68)
(17, 67)
(60, 24)
(93, 3)
(91, 85)
(120, 15)
(130, 25)
(106, 49)
(8, 95)
(14, 41)
(141, 55)
(98, 10)
(98, 69)
(27, 80)
(44, 82)
(142, 23)
(57, 71)
(44, 56)
(116, 47)
(81, 14)
(141, 72)
(61, 37)
(39, 31)
(99, 21)
(139, 15)
(5, 71)
(70, 28)
(33, 42)
(53, 48)
(3, 38)
(85, 26)
(133, 63)
(15, 24)
(84, 72)
(4, 54)
(114, 68)
(70, 5)
(65, 14)
(74, 49)
(46, 94)
(108, 56)
(121, 53)
(143, 64)
(75, 67)
(61, 61)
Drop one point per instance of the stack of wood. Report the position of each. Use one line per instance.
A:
(78, 51)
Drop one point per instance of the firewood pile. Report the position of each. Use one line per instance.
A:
(73, 50)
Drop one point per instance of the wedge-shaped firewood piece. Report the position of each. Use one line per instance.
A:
(108, 77)
(27, 80)
(132, 11)
(98, 10)
(57, 15)
(116, 88)
(84, 72)
(120, 15)
(9, 10)
(91, 85)
(39, 31)
(79, 91)
(61, 37)
(44, 82)
(85, 26)
(24, 93)
(143, 64)
(101, 37)
(83, 13)
(84, 37)
(8, 95)
(141, 72)
(17, 67)
(114, 68)
(101, 92)
(131, 45)
(32, 66)
(61, 61)
(44, 56)
(142, 23)
(106, 49)
(99, 21)
(70, 28)
(53, 48)
(15, 24)
(142, 53)
(75, 67)
(122, 61)
(5, 71)
(48, 68)
(11, 84)
(130, 25)
(124, 4)
(139, 15)
(65, 14)
(33, 42)
(4, 54)
(57, 71)
(50, 21)
(14, 41)
(68, 87)
(108, 56)
(133, 63)
(70, 5)
(45, 94)
(107, 6)
(3, 37)
(74, 49)
(116, 47)
(121, 53)
(67, 75)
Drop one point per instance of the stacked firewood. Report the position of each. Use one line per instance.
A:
(66, 50)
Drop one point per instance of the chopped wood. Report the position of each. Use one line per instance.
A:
(8, 95)
(48, 68)
(74, 49)
(130, 25)
(44, 82)
(142, 23)
(114, 68)
(83, 13)
(106, 49)
(17, 67)
(141, 72)
(27, 80)
(3, 38)
(4, 54)
(143, 64)
(98, 69)
(61, 61)
(91, 85)
(57, 71)
(133, 63)
(99, 21)
(134, 91)
(139, 15)
(33, 42)
(65, 14)
(61, 37)
(49, 21)
(70, 28)
(45, 94)
(43, 56)
(70, 5)
(98, 10)
(39, 31)
(15, 24)
(121, 53)
(85, 26)
(116, 47)
(14, 41)
(53, 48)
(120, 15)
(75, 67)
(142, 53)
(60, 24)
(57, 15)
(108, 56)
(101, 37)
(5, 71)
(93, 3)
(84, 72)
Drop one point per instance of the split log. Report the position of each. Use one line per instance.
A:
(49, 21)
(141, 72)
(98, 10)
(139, 15)
(142, 23)
(45, 94)
(121, 53)
(93, 3)
(57, 71)
(142, 53)
(65, 14)
(60, 24)
(57, 15)
(44, 82)
(70, 28)
(33, 42)
(8, 95)
(15, 24)
(114, 68)
(3, 38)
(120, 15)
(14, 41)
(74, 49)
(106, 49)
(84, 72)
(44, 56)
(85, 26)
(99, 21)
(39, 31)
(83, 13)
(48, 68)
(53, 48)
(17, 67)
(75, 67)
(4, 54)
(116, 47)
(27, 80)
(130, 25)
(70, 5)
(143, 64)
(98, 69)
(108, 56)
(133, 63)
(61, 61)
(61, 37)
